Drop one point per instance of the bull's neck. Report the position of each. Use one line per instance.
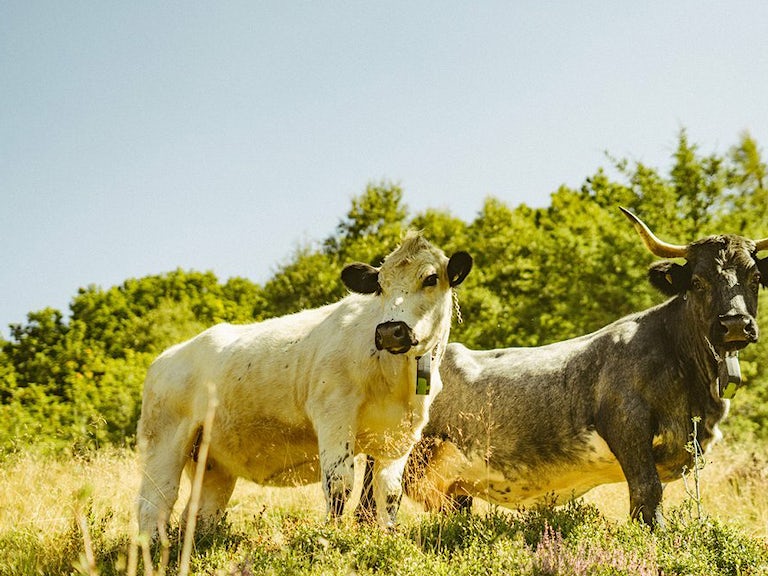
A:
(697, 356)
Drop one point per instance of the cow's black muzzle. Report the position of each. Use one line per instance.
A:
(395, 337)
(738, 330)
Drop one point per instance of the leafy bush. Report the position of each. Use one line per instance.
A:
(541, 275)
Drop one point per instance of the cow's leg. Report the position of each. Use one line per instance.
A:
(629, 434)
(459, 503)
(432, 474)
(218, 485)
(645, 493)
(159, 485)
(366, 508)
(337, 466)
(388, 489)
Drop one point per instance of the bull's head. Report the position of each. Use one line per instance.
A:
(720, 281)
(414, 285)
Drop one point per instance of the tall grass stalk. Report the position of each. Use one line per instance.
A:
(197, 483)
(88, 562)
(694, 448)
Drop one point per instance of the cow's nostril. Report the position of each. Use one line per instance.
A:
(735, 327)
(729, 322)
(395, 337)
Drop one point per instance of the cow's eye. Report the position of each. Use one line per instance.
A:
(697, 284)
(430, 280)
(755, 281)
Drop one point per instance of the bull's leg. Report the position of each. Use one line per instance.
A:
(645, 494)
(388, 489)
(631, 440)
(218, 485)
(337, 466)
(645, 502)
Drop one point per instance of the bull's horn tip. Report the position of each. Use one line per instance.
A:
(655, 246)
(639, 225)
(628, 213)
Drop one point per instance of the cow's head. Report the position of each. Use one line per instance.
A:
(719, 281)
(414, 285)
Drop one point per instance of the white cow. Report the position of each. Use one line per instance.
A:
(315, 387)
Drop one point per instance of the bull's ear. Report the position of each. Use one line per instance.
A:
(361, 278)
(762, 265)
(459, 266)
(670, 278)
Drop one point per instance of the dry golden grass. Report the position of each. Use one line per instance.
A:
(733, 485)
(39, 495)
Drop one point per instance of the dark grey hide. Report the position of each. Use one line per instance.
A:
(519, 425)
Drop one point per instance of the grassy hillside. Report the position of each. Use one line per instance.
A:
(281, 531)
(70, 383)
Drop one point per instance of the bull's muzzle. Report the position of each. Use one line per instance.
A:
(738, 329)
(395, 337)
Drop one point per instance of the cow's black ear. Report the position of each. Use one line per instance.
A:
(762, 265)
(361, 278)
(670, 278)
(459, 266)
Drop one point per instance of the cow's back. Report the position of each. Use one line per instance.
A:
(541, 401)
(517, 398)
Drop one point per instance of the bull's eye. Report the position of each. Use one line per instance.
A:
(697, 284)
(430, 280)
(755, 281)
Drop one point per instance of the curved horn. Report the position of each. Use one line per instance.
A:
(656, 246)
(761, 245)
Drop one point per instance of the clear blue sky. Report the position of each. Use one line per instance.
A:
(137, 137)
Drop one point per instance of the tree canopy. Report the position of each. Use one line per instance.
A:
(541, 275)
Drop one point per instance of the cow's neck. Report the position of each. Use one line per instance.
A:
(697, 357)
(699, 365)
(398, 370)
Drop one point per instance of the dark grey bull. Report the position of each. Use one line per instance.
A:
(518, 425)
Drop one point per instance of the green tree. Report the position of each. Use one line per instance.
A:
(443, 229)
(540, 275)
(504, 244)
(310, 280)
(78, 384)
(372, 228)
(36, 351)
(699, 183)
(744, 206)
(243, 300)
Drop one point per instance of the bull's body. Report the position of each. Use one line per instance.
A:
(519, 425)
(299, 396)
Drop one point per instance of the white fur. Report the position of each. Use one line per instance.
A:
(298, 396)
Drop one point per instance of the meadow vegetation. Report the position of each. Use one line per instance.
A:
(281, 530)
(70, 388)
